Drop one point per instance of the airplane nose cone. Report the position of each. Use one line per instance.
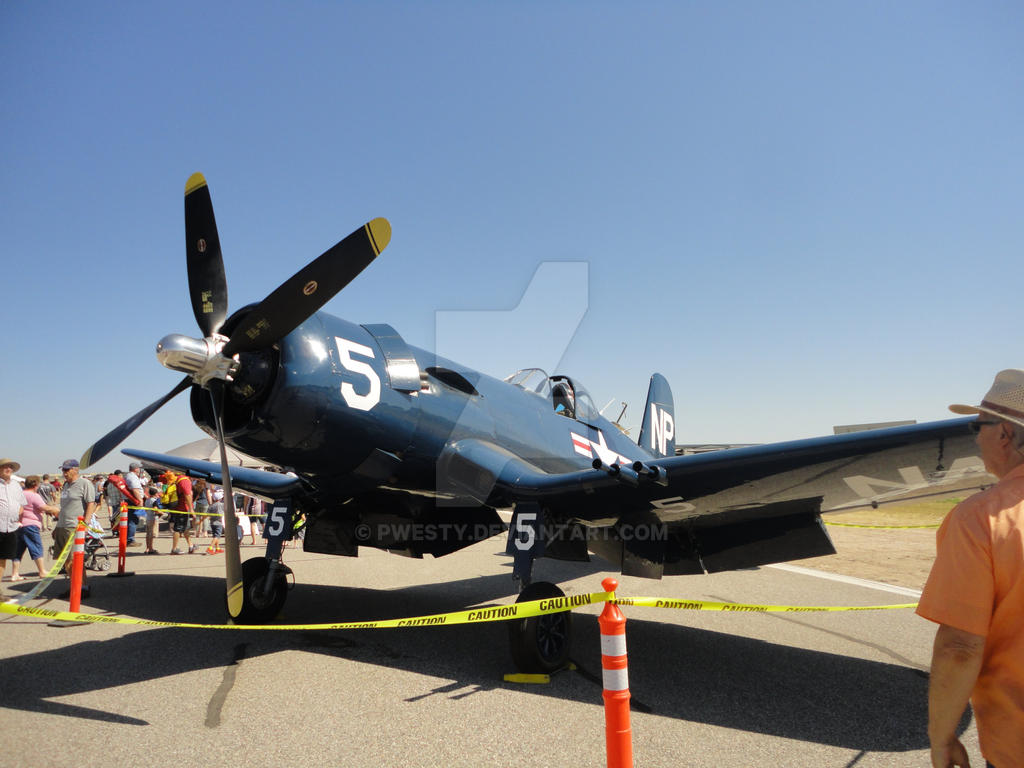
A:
(182, 353)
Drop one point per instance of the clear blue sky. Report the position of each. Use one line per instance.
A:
(803, 214)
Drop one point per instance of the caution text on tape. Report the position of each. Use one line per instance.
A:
(706, 605)
(523, 610)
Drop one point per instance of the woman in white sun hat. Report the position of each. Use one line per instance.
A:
(12, 499)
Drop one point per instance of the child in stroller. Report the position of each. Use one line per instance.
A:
(97, 558)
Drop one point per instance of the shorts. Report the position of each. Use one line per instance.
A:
(30, 539)
(9, 544)
(216, 528)
(179, 522)
(61, 536)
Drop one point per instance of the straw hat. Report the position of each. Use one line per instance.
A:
(1005, 399)
(10, 462)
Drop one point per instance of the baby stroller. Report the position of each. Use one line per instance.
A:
(97, 558)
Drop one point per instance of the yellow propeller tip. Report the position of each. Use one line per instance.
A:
(235, 601)
(380, 233)
(195, 181)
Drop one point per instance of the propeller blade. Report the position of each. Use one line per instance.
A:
(207, 285)
(232, 555)
(310, 288)
(109, 441)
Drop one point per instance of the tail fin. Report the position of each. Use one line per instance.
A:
(657, 434)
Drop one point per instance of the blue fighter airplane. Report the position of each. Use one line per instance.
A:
(390, 446)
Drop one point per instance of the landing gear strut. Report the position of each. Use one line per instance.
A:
(541, 643)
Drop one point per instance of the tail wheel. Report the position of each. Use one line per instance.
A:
(541, 643)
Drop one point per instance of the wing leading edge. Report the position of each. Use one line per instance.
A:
(723, 510)
(843, 470)
(269, 485)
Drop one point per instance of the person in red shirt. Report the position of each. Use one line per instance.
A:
(975, 593)
(132, 499)
(183, 511)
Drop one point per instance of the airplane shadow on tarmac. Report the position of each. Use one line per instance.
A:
(675, 671)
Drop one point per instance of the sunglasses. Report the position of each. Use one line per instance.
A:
(976, 426)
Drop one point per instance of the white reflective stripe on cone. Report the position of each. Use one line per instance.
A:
(615, 679)
(613, 645)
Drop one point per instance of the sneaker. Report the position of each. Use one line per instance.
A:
(134, 544)
(220, 551)
(211, 550)
(175, 551)
(192, 549)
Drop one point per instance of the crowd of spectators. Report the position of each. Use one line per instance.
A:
(33, 506)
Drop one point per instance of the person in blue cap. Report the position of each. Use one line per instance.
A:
(77, 499)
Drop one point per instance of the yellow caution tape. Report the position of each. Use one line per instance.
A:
(706, 605)
(880, 527)
(473, 616)
(163, 511)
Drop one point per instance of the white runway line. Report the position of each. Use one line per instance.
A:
(916, 593)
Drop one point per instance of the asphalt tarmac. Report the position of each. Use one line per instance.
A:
(709, 689)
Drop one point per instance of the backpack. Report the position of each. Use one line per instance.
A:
(170, 496)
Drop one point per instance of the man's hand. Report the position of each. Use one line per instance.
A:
(950, 755)
(956, 661)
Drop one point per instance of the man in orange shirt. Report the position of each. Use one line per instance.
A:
(975, 593)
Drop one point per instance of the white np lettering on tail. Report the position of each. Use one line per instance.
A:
(663, 430)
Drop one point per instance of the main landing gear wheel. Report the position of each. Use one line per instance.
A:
(260, 605)
(541, 643)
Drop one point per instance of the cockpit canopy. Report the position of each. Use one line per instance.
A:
(568, 398)
(533, 380)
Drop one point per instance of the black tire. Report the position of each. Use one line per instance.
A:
(258, 608)
(541, 644)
